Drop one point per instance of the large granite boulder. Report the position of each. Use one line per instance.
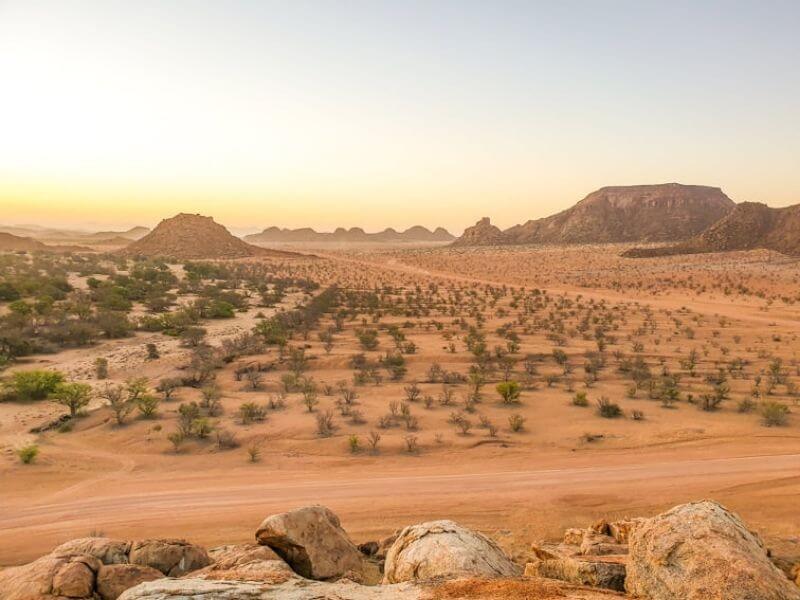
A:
(112, 580)
(444, 549)
(702, 551)
(311, 540)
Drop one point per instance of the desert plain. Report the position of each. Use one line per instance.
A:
(517, 390)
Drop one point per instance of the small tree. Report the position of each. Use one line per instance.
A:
(118, 401)
(74, 396)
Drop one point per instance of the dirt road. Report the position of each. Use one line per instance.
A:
(211, 509)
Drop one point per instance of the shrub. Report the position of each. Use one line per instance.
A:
(774, 414)
(354, 443)
(147, 405)
(101, 368)
(27, 454)
(35, 385)
(516, 422)
(579, 399)
(608, 409)
(509, 391)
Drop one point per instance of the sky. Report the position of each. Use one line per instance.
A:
(378, 114)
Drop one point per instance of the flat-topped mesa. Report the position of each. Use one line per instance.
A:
(187, 236)
(638, 213)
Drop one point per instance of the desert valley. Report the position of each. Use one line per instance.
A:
(186, 383)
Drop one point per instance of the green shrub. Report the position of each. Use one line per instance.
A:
(35, 385)
(608, 409)
(27, 454)
(774, 414)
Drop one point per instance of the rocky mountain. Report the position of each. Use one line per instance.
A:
(352, 235)
(652, 213)
(187, 236)
(748, 226)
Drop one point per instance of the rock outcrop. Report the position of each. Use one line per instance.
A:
(637, 213)
(483, 233)
(112, 580)
(172, 557)
(444, 549)
(311, 540)
(702, 551)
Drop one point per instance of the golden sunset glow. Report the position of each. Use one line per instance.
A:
(380, 114)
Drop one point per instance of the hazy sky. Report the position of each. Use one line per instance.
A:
(342, 112)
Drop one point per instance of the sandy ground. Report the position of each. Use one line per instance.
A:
(519, 487)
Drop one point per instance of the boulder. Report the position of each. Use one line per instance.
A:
(112, 580)
(50, 578)
(75, 579)
(249, 562)
(595, 573)
(293, 589)
(311, 540)
(106, 550)
(447, 550)
(173, 558)
(702, 551)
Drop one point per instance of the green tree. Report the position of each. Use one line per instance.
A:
(73, 395)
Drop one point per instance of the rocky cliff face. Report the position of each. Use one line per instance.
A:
(652, 213)
(186, 236)
(749, 226)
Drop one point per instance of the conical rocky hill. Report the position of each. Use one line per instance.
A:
(187, 236)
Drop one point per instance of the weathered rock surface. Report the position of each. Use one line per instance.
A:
(595, 573)
(311, 540)
(292, 589)
(447, 550)
(303, 589)
(247, 562)
(702, 551)
(172, 557)
(112, 580)
(50, 578)
(106, 550)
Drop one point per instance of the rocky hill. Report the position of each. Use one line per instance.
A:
(483, 233)
(187, 236)
(305, 554)
(749, 226)
(645, 213)
(352, 235)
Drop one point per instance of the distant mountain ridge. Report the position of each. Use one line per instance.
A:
(50, 234)
(644, 213)
(352, 235)
(15, 243)
(749, 226)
